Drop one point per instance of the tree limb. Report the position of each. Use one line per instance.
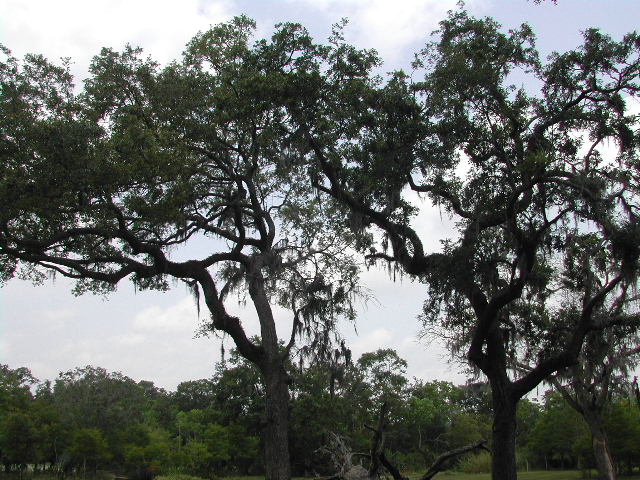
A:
(439, 464)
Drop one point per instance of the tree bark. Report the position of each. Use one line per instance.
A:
(606, 470)
(378, 440)
(276, 429)
(589, 403)
(604, 462)
(276, 381)
(503, 460)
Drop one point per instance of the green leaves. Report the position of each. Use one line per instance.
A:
(223, 46)
(103, 184)
(17, 439)
(89, 447)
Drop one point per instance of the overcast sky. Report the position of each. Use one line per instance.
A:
(151, 335)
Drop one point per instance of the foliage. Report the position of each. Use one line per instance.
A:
(478, 463)
(178, 476)
(108, 183)
(146, 159)
(15, 388)
(17, 440)
(466, 428)
(89, 447)
(384, 371)
(546, 224)
(429, 419)
(554, 435)
(606, 359)
(623, 425)
(195, 394)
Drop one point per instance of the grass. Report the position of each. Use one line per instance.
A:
(537, 475)
(448, 475)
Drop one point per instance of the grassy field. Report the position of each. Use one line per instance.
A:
(538, 475)
(541, 475)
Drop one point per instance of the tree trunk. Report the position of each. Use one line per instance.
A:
(276, 430)
(604, 462)
(276, 381)
(377, 442)
(503, 459)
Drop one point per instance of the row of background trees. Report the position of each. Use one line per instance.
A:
(90, 419)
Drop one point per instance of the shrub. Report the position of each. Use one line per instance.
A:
(478, 463)
(178, 476)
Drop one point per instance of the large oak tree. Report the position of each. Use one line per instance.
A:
(519, 169)
(182, 173)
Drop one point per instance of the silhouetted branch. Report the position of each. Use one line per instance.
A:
(440, 462)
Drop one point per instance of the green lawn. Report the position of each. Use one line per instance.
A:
(537, 475)
(540, 475)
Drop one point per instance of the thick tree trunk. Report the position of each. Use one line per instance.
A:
(276, 430)
(604, 462)
(503, 460)
(606, 470)
(276, 381)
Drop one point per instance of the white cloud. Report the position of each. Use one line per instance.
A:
(432, 223)
(57, 318)
(426, 360)
(389, 27)
(373, 340)
(633, 105)
(4, 347)
(158, 345)
(58, 315)
(179, 317)
(79, 28)
(429, 360)
(130, 339)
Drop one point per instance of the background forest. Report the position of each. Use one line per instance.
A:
(89, 419)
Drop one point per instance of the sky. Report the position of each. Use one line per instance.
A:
(152, 335)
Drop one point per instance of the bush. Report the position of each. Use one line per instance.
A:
(478, 463)
(409, 462)
(178, 476)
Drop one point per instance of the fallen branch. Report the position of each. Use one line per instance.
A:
(340, 455)
(379, 459)
(439, 464)
(391, 468)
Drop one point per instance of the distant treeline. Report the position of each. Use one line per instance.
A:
(89, 419)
